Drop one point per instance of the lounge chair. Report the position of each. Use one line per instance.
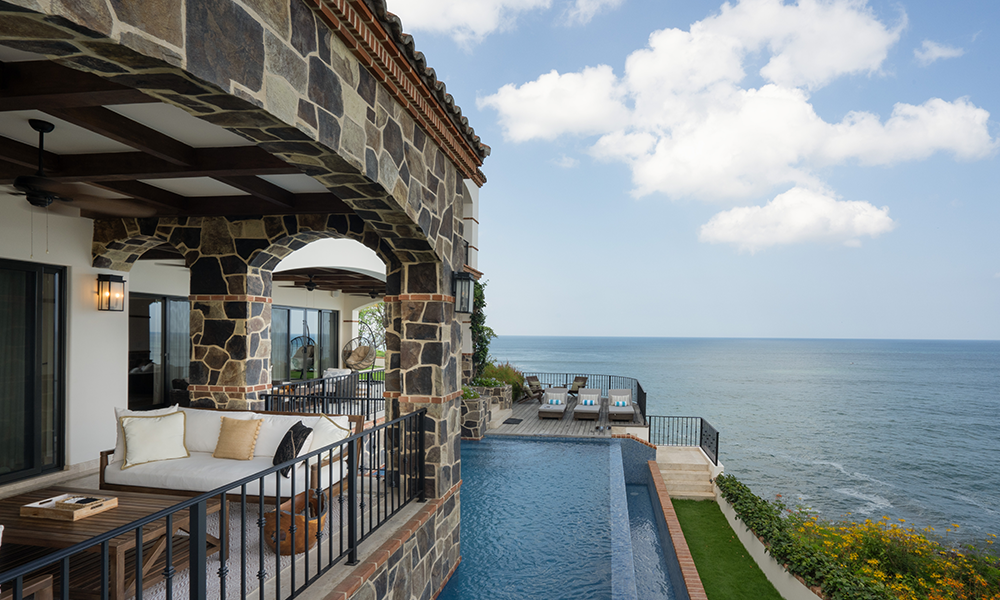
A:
(535, 389)
(578, 383)
(620, 413)
(553, 404)
(584, 410)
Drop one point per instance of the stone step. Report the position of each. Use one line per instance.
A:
(682, 466)
(692, 495)
(686, 476)
(681, 487)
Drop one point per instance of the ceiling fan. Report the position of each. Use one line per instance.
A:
(309, 285)
(41, 191)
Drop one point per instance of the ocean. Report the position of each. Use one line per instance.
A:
(851, 429)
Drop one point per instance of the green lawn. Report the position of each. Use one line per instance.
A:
(726, 569)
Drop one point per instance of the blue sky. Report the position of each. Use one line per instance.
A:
(754, 169)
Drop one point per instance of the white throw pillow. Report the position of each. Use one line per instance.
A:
(124, 412)
(330, 430)
(149, 439)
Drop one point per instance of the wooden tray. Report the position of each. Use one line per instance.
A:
(68, 507)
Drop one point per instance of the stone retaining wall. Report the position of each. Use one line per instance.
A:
(416, 563)
(475, 416)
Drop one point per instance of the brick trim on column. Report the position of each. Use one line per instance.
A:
(204, 298)
(692, 581)
(238, 389)
(420, 298)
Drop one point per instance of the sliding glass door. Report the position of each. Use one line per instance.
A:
(303, 342)
(159, 349)
(32, 345)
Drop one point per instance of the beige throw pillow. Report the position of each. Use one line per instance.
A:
(237, 438)
(151, 439)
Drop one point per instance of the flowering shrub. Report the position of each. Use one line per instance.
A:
(873, 560)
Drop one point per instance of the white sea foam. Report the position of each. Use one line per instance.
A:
(874, 502)
(852, 474)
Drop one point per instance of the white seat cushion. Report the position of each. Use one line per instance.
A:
(201, 472)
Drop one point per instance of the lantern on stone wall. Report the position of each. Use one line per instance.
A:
(462, 288)
(110, 292)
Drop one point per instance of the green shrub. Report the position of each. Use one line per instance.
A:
(487, 382)
(506, 373)
(874, 560)
(469, 393)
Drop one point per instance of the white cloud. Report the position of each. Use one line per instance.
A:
(931, 51)
(566, 162)
(797, 216)
(582, 103)
(583, 11)
(466, 21)
(685, 121)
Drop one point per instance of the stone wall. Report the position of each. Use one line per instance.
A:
(466, 369)
(499, 397)
(416, 563)
(475, 417)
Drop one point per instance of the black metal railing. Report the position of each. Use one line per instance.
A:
(685, 431)
(360, 393)
(360, 384)
(369, 408)
(602, 382)
(358, 483)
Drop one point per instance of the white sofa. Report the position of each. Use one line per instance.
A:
(201, 472)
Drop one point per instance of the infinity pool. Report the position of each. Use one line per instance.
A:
(537, 523)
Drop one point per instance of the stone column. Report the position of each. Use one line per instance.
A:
(230, 324)
(423, 342)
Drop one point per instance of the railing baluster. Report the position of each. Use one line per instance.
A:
(197, 555)
(168, 573)
(352, 504)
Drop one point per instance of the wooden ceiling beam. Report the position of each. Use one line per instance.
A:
(41, 85)
(164, 200)
(124, 166)
(121, 129)
(260, 188)
(25, 155)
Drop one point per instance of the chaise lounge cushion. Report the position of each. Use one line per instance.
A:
(620, 413)
(547, 410)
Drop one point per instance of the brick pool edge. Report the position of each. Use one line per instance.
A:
(692, 581)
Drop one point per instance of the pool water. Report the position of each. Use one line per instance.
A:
(535, 521)
(651, 572)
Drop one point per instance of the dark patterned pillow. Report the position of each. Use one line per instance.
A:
(290, 446)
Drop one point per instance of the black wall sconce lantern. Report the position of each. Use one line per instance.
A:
(462, 287)
(110, 292)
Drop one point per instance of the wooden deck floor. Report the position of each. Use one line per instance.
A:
(567, 426)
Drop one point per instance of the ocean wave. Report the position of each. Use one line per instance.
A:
(990, 509)
(852, 474)
(874, 501)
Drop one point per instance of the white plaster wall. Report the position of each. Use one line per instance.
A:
(97, 342)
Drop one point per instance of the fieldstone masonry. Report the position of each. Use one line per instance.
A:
(475, 418)
(336, 89)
